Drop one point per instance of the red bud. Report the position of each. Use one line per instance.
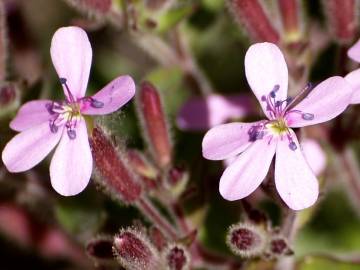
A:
(289, 11)
(252, 15)
(154, 123)
(114, 171)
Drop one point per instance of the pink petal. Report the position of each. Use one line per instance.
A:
(71, 54)
(245, 174)
(71, 165)
(326, 101)
(314, 155)
(113, 96)
(29, 147)
(294, 179)
(226, 140)
(354, 51)
(31, 114)
(204, 113)
(265, 67)
(354, 79)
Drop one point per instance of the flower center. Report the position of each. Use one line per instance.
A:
(68, 112)
(277, 125)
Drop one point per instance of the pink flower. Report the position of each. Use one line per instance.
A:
(43, 124)
(354, 77)
(204, 113)
(256, 143)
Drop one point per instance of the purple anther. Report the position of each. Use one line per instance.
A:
(53, 127)
(71, 133)
(63, 80)
(307, 116)
(49, 107)
(275, 89)
(292, 146)
(96, 104)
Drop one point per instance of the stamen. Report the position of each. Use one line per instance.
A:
(49, 107)
(63, 82)
(96, 103)
(71, 133)
(256, 133)
(53, 127)
(275, 89)
(292, 146)
(307, 116)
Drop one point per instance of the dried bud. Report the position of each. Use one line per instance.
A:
(115, 173)
(246, 240)
(100, 248)
(290, 13)
(176, 257)
(134, 251)
(253, 16)
(278, 247)
(91, 7)
(154, 123)
(141, 165)
(177, 180)
(342, 18)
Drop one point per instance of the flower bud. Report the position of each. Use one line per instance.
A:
(154, 124)
(100, 248)
(246, 240)
(278, 246)
(342, 18)
(252, 14)
(141, 165)
(91, 7)
(177, 180)
(134, 251)
(176, 257)
(113, 170)
(290, 13)
(157, 237)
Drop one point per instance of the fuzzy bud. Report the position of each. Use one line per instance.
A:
(114, 171)
(290, 13)
(252, 14)
(342, 18)
(246, 240)
(92, 7)
(154, 123)
(176, 257)
(134, 251)
(100, 248)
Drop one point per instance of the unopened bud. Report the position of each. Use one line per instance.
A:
(100, 248)
(141, 165)
(134, 251)
(246, 240)
(176, 257)
(177, 180)
(7, 94)
(154, 123)
(157, 237)
(342, 18)
(290, 14)
(92, 7)
(252, 14)
(278, 247)
(113, 170)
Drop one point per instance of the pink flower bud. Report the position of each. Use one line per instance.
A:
(342, 18)
(176, 257)
(246, 240)
(253, 16)
(278, 247)
(154, 123)
(115, 173)
(134, 251)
